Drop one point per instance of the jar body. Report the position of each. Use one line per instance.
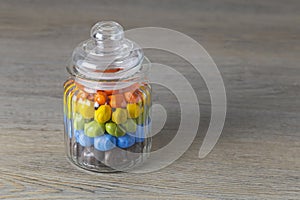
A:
(107, 129)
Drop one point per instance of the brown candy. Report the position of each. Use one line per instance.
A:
(88, 157)
(78, 149)
(99, 155)
(134, 152)
(116, 158)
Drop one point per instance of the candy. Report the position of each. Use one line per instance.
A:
(107, 127)
(135, 151)
(77, 133)
(96, 105)
(119, 116)
(100, 97)
(77, 150)
(125, 141)
(105, 142)
(140, 134)
(132, 97)
(99, 155)
(93, 129)
(88, 158)
(114, 129)
(69, 127)
(65, 123)
(117, 101)
(129, 125)
(84, 140)
(133, 110)
(85, 108)
(115, 158)
(78, 121)
(103, 114)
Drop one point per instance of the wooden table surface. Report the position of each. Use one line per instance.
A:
(256, 46)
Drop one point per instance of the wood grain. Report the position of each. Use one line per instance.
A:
(256, 46)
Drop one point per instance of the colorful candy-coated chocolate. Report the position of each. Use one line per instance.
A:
(119, 116)
(109, 128)
(115, 158)
(93, 129)
(85, 140)
(129, 125)
(99, 155)
(66, 123)
(96, 105)
(78, 121)
(114, 130)
(132, 97)
(125, 141)
(103, 114)
(117, 101)
(133, 110)
(88, 158)
(105, 142)
(143, 130)
(77, 133)
(86, 108)
(77, 149)
(140, 134)
(135, 151)
(100, 97)
(69, 127)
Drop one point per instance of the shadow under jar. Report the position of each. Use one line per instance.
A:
(107, 102)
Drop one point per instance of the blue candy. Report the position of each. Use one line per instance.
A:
(84, 140)
(77, 133)
(65, 123)
(142, 131)
(125, 141)
(69, 127)
(105, 142)
(140, 134)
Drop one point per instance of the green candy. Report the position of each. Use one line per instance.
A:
(78, 122)
(129, 125)
(114, 129)
(94, 129)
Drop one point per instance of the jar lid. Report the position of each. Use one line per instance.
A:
(107, 55)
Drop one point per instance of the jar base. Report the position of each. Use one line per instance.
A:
(115, 160)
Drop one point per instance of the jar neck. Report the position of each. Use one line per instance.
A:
(141, 75)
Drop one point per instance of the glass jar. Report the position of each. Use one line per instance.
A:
(107, 101)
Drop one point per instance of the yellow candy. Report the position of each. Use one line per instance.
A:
(133, 110)
(85, 108)
(103, 113)
(119, 116)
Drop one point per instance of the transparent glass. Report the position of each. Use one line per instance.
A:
(107, 102)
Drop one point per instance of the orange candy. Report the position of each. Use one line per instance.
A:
(117, 101)
(110, 92)
(100, 97)
(132, 97)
